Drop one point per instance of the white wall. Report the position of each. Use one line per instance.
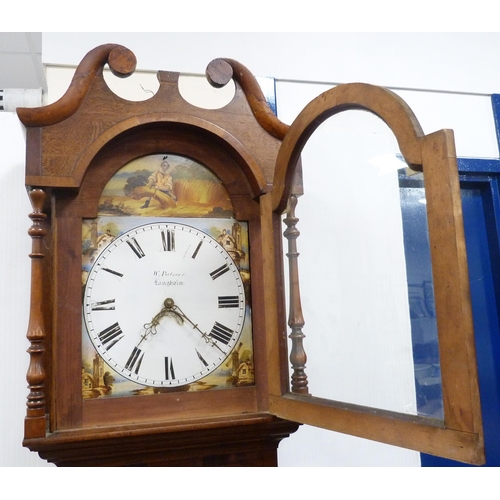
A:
(446, 79)
(451, 62)
(14, 294)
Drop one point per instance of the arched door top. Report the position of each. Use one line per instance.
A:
(354, 96)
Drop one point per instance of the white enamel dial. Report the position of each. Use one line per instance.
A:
(164, 304)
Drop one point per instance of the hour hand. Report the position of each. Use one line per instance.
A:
(166, 310)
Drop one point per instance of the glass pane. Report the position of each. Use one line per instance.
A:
(421, 295)
(365, 271)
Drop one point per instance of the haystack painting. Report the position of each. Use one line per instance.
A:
(165, 185)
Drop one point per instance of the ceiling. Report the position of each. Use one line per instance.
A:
(21, 61)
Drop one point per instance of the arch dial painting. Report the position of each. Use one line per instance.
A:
(166, 278)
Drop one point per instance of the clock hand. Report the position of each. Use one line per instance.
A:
(166, 310)
(135, 359)
(177, 311)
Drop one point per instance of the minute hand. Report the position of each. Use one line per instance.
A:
(206, 337)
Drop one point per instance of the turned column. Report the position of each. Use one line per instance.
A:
(35, 415)
(298, 355)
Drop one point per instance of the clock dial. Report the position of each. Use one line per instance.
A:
(164, 304)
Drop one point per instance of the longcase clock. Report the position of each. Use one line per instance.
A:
(158, 325)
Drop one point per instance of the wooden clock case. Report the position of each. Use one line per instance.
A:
(73, 148)
(75, 145)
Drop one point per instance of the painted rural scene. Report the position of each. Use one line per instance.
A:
(167, 186)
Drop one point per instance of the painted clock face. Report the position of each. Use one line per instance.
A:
(164, 304)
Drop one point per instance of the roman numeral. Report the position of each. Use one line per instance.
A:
(111, 335)
(104, 305)
(168, 240)
(195, 253)
(221, 333)
(116, 273)
(136, 248)
(169, 369)
(135, 359)
(219, 271)
(229, 301)
(201, 358)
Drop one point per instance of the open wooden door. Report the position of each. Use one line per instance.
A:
(455, 431)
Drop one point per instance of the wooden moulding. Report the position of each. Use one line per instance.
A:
(122, 63)
(246, 440)
(220, 71)
(90, 111)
